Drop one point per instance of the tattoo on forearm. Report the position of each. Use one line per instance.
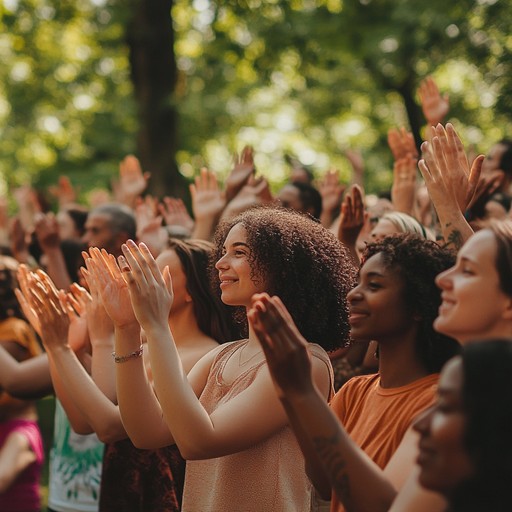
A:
(335, 465)
(454, 238)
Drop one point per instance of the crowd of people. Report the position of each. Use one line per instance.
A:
(312, 349)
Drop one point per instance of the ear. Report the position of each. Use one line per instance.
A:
(507, 310)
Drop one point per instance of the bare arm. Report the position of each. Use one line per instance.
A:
(251, 417)
(15, 456)
(28, 379)
(451, 182)
(351, 472)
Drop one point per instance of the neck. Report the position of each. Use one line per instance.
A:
(399, 364)
(183, 325)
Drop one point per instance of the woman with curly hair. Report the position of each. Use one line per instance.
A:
(226, 418)
(476, 305)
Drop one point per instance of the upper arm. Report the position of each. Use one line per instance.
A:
(413, 496)
(253, 415)
(15, 455)
(402, 471)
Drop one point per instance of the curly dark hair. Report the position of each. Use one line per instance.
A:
(419, 261)
(212, 315)
(302, 263)
(487, 403)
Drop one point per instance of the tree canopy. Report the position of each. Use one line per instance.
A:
(309, 78)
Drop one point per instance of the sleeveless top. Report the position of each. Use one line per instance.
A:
(270, 476)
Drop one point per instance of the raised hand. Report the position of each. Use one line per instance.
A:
(132, 181)
(257, 191)
(26, 283)
(149, 224)
(151, 291)
(64, 192)
(285, 349)
(451, 182)
(243, 169)
(331, 191)
(51, 313)
(355, 157)
(352, 216)
(401, 142)
(99, 324)
(446, 171)
(403, 189)
(112, 286)
(435, 107)
(47, 232)
(174, 213)
(207, 198)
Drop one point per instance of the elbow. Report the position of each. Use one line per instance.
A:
(144, 443)
(81, 429)
(110, 431)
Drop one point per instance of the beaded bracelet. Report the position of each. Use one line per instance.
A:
(132, 355)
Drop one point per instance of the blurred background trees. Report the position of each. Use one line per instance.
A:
(185, 83)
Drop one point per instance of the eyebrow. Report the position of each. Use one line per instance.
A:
(237, 244)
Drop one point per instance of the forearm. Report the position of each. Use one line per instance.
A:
(314, 465)
(76, 419)
(140, 410)
(26, 379)
(357, 481)
(56, 269)
(204, 228)
(190, 424)
(455, 228)
(89, 406)
(103, 370)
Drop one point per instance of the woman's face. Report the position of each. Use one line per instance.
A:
(237, 283)
(179, 281)
(383, 228)
(473, 304)
(443, 459)
(377, 305)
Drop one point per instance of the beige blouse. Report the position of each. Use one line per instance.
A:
(268, 477)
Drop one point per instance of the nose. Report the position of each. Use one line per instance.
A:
(354, 294)
(421, 423)
(221, 263)
(443, 280)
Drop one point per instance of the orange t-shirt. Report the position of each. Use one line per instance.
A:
(377, 418)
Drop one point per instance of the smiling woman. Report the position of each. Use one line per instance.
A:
(226, 418)
(465, 446)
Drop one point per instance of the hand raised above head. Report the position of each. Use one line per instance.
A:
(150, 290)
(112, 287)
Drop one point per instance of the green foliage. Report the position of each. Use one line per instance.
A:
(304, 77)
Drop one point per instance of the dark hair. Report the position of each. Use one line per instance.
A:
(301, 262)
(506, 158)
(79, 218)
(309, 197)
(419, 261)
(122, 218)
(502, 231)
(487, 403)
(212, 315)
(8, 283)
(73, 259)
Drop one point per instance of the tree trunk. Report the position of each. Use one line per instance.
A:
(150, 38)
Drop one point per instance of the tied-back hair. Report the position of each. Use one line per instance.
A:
(487, 404)
(419, 261)
(212, 315)
(502, 231)
(302, 263)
